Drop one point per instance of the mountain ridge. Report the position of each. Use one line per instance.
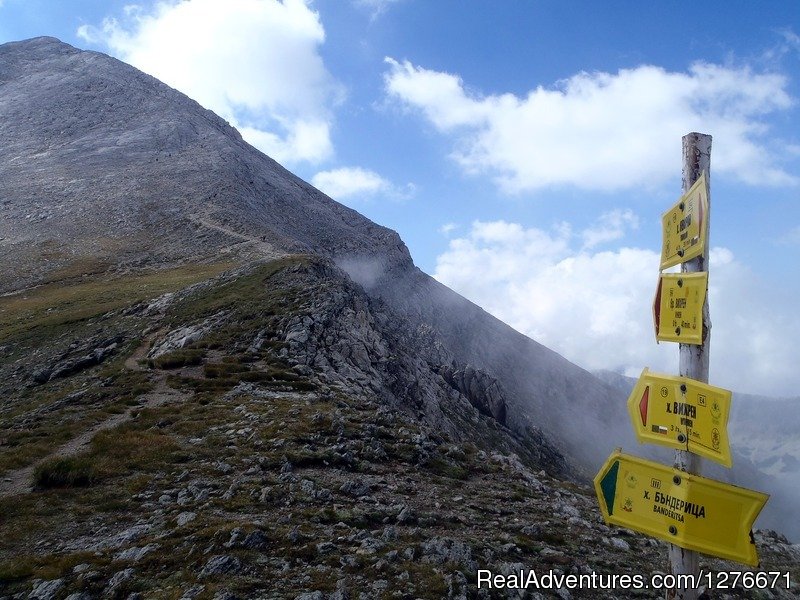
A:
(173, 190)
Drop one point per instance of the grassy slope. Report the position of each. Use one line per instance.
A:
(52, 316)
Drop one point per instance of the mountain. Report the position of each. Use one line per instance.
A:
(218, 382)
(120, 161)
(107, 168)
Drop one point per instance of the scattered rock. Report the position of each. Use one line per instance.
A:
(117, 580)
(135, 554)
(221, 565)
(406, 515)
(441, 550)
(193, 592)
(620, 544)
(185, 517)
(355, 487)
(256, 540)
(46, 590)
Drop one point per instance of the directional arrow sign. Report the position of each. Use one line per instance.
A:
(690, 511)
(678, 307)
(685, 226)
(683, 414)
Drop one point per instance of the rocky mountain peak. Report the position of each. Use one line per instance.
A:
(136, 173)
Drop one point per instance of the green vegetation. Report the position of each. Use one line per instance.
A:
(250, 297)
(48, 566)
(185, 357)
(113, 453)
(128, 450)
(44, 312)
(74, 307)
(225, 369)
(64, 472)
(443, 467)
(24, 446)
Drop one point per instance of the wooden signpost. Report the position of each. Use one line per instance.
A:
(693, 513)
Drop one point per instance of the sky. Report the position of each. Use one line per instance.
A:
(524, 150)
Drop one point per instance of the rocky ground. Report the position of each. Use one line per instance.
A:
(272, 432)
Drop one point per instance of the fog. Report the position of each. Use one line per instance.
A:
(585, 414)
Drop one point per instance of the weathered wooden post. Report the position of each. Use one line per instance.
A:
(693, 513)
(693, 358)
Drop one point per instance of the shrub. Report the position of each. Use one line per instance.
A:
(177, 359)
(225, 369)
(64, 472)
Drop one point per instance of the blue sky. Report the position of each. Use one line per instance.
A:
(523, 150)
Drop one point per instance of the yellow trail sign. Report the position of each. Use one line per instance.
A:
(683, 414)
(685, 226)
(690, 511)
(678, 307)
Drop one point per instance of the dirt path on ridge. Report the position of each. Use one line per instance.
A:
(20, 481)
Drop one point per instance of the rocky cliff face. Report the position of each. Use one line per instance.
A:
(217, 382)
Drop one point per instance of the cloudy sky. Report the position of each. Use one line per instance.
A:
(523, 150)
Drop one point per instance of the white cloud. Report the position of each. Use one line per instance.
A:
(791, 39)
(305, 140)
(448, 228)
(611, 226)
(376, 7)
(602, 131)
(254, 62)
(595, 307)
(349, 182)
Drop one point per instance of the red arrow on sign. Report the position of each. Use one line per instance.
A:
(643, 405)
(657, 309)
